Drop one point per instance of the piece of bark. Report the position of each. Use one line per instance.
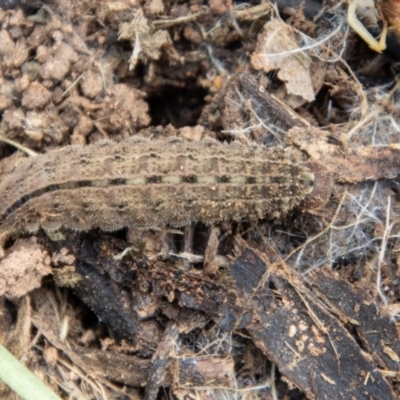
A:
(376, 332)
(310, 347)
(222, 302)
(108, 301)
(160, 361)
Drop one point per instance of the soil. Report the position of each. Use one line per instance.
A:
(302, 306)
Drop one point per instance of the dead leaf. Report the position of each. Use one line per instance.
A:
(277, 50)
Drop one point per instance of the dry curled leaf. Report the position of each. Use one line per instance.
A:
(277, 50)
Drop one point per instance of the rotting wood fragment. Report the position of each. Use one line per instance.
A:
(160, 361)
(221, 302)
(310, 347)
(377, 333)
(109, 300)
